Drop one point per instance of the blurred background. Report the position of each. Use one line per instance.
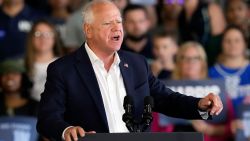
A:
(183, 40)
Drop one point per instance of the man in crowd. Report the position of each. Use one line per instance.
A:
(137, 26)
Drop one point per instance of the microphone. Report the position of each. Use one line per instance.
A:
(147, 117)
(128, 116)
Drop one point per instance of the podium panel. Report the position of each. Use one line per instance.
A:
(177, 136)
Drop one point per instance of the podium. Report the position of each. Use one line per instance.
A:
(145, 136)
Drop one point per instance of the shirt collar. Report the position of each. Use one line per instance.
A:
(95, 59)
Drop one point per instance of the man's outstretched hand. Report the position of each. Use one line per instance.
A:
(211, 103)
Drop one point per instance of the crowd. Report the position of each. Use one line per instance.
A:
(181, 40)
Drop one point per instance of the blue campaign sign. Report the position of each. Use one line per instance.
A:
(246, 123)
(244, 116)
(18, 129)
(197, 89)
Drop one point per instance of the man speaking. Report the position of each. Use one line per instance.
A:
(84, 91)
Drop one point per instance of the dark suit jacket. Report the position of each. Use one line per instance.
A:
(72, 96)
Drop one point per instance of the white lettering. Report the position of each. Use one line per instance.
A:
(21, 135)
(24, 26)
(197, 91)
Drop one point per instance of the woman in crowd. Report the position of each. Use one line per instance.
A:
(234, 67)
(200, 15)
(168, 12)
(203, 22)
(237, 14)
(191, 65)
(190, 62)
(15, 97)
(43, 47)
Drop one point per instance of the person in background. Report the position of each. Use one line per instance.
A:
(75, 5)
(121, 4)
(248, 4)
(168, 13)
(152, 16)
(43, 47)
(201, 15)
(234, 67)
(191, 64)
(198, 22)
(237, 14)
(15, 97)
(165, 47)
(136, 27)
(74, 35)
(59, 15)
(150, 9)
(16, 20)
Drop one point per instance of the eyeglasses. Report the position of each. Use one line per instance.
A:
(39, 34)
(191, 59)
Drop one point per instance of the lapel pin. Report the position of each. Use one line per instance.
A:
(126, 65)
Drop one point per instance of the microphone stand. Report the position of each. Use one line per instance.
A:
(147, 118)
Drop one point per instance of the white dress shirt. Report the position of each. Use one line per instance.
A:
(112, 90)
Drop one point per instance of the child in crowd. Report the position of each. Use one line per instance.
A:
(164, 49)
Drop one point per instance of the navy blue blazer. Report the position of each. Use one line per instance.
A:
(72, 96)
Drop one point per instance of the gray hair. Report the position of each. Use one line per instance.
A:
(87, 13)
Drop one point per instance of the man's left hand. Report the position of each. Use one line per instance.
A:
(211, 103)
